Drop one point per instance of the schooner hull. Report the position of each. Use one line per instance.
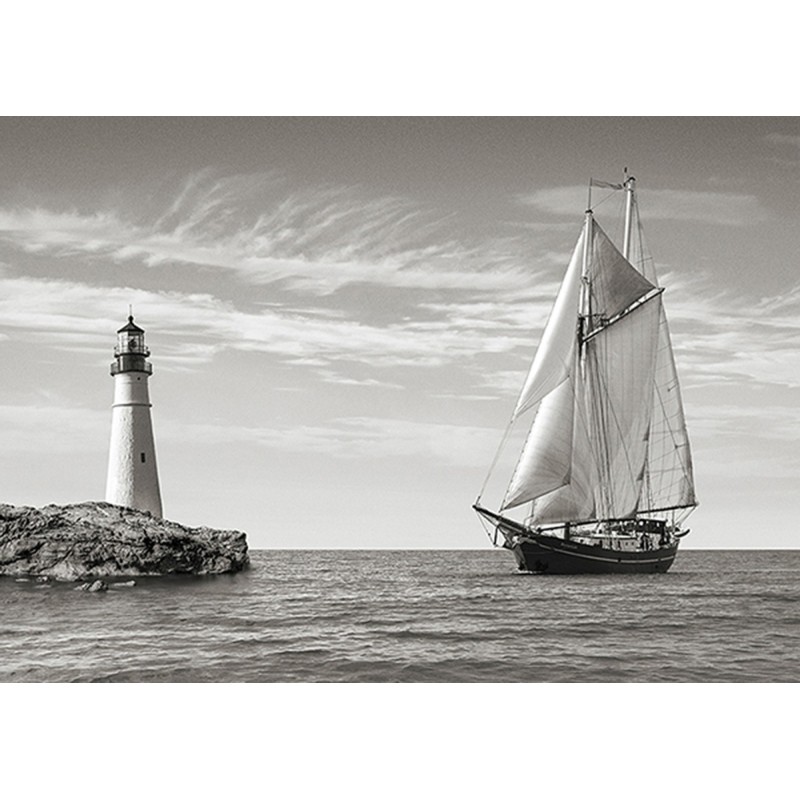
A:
(543, 554)
(548, 555)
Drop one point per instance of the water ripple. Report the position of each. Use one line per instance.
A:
(381, 616)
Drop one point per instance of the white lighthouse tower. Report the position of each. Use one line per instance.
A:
(132, 473)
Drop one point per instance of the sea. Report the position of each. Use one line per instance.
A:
(382, 616)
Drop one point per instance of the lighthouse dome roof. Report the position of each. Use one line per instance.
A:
(131, 327)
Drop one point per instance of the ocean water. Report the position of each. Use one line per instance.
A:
(415, 616)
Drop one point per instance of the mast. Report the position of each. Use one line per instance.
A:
(630, 185)
(585, 308)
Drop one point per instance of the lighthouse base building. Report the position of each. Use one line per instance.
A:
(132, 470)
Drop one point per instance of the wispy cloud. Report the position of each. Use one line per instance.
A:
(49, 429)
(719, 336)
(317, 240)
(718, 208)
(724, 337)
(485, 297)
(191, 328)
(355, 438)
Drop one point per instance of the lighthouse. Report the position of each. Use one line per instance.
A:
(132, 473)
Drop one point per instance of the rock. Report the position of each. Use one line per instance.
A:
(94, 540)
(94, 586)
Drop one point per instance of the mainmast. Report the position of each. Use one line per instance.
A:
(585, 308)
(629, 184)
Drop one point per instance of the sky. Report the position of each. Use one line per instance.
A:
(341, 311)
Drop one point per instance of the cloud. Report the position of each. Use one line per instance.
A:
(316, 240)
(51, 429)
(192, 328)
(329, 376)
(725, 337)
(718, 335)
(718, 208)
(482, 298)
(353, 438)
(790, 140)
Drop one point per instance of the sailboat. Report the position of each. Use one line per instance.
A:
(604, 480)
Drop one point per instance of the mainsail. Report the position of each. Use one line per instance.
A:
(608, 439)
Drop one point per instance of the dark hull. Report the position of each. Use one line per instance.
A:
(547, 554)
(538, 552)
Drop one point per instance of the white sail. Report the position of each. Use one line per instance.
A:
(555, 354)
(576, 499)
(620, 365)
(546, 461)
(615, 283)
(669, 481)
(587, 450)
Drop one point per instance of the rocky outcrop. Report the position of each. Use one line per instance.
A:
(89, 541)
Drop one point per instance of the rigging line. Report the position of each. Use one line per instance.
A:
(619, 217)
(611, 194)
(647, 478)
(492, 536)
(644, 256)
(671, 433)
(496, 457)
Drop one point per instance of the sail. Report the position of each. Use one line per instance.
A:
(554, 356)
(576, 499)
(669, 481)
(586, 453)
(620, 365)
(546, 461)
(615, 283)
